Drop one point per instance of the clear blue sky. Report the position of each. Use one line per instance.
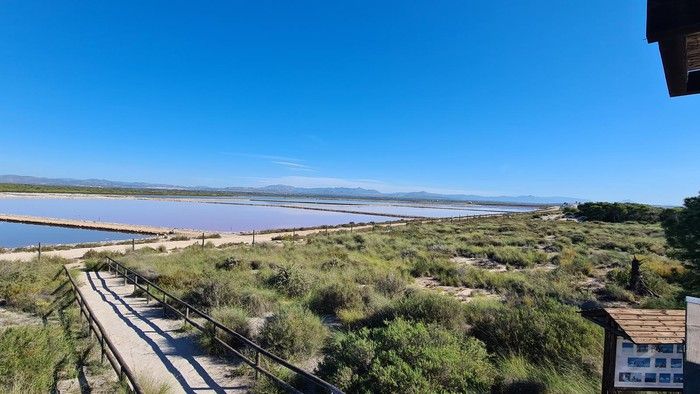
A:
(489, 97)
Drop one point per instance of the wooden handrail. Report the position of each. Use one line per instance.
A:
(115, 359)
(147, 286)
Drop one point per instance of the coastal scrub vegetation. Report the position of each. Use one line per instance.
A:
(384, 308)
(618, 212)
(471, 305)
(43, 343)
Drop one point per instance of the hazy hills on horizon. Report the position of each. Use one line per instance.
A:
(286, 190)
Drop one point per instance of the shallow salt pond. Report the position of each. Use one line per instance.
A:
(207, 214)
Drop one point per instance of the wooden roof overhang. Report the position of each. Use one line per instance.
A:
(675, 25)
(641, 326)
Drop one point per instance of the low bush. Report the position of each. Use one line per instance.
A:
(423, 266)
(517, 257)
(30, 358)
(290, 280)
(256, 301)
(665, 268)
(231, 317)
(428, 307)
(615, 292)
(407, 357)
(29, 286)
(336, 296)
(390, 285)
(293, 332)
(213, 292)
(518, 375)
(543, 331)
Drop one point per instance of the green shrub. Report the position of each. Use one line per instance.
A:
(30, 286)
(423, 266)
(578, 265)
(231, 317)
(293, 332)
(406, 357)
(213, 292)
(290, 280)
(428, 307)
(619, 212)
(543, 331)
(615, 292)
(390, 285)
(30, 357)
(256, 301)
(517, 256)
(518, 375)
(577, 238)
(336, 296)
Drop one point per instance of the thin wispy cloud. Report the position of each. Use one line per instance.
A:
(263, 157)
(289, 163)
(293, 166)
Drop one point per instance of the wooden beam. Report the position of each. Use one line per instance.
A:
(609, 355)
(673, 56)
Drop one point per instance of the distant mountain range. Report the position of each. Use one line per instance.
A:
(285, 190)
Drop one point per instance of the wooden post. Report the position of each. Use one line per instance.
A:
(635, 283)
(80, 305)
(102, 349)
(136, 281)
(253, 237)
(202, 241)
(187, 316)
(148, 293)
(133, 244)
(165, 305)
(609, 355)
(39, 251)
(257, 364)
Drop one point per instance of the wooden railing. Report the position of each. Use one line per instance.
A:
(107, 347)
(190, 313)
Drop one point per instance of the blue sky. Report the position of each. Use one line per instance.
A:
(488, 97)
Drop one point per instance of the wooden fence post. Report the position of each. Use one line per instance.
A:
(257, 364)
(39, 251)
(102, 349)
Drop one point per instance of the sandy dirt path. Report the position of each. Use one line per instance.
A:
(77, 253)
(153, 346)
